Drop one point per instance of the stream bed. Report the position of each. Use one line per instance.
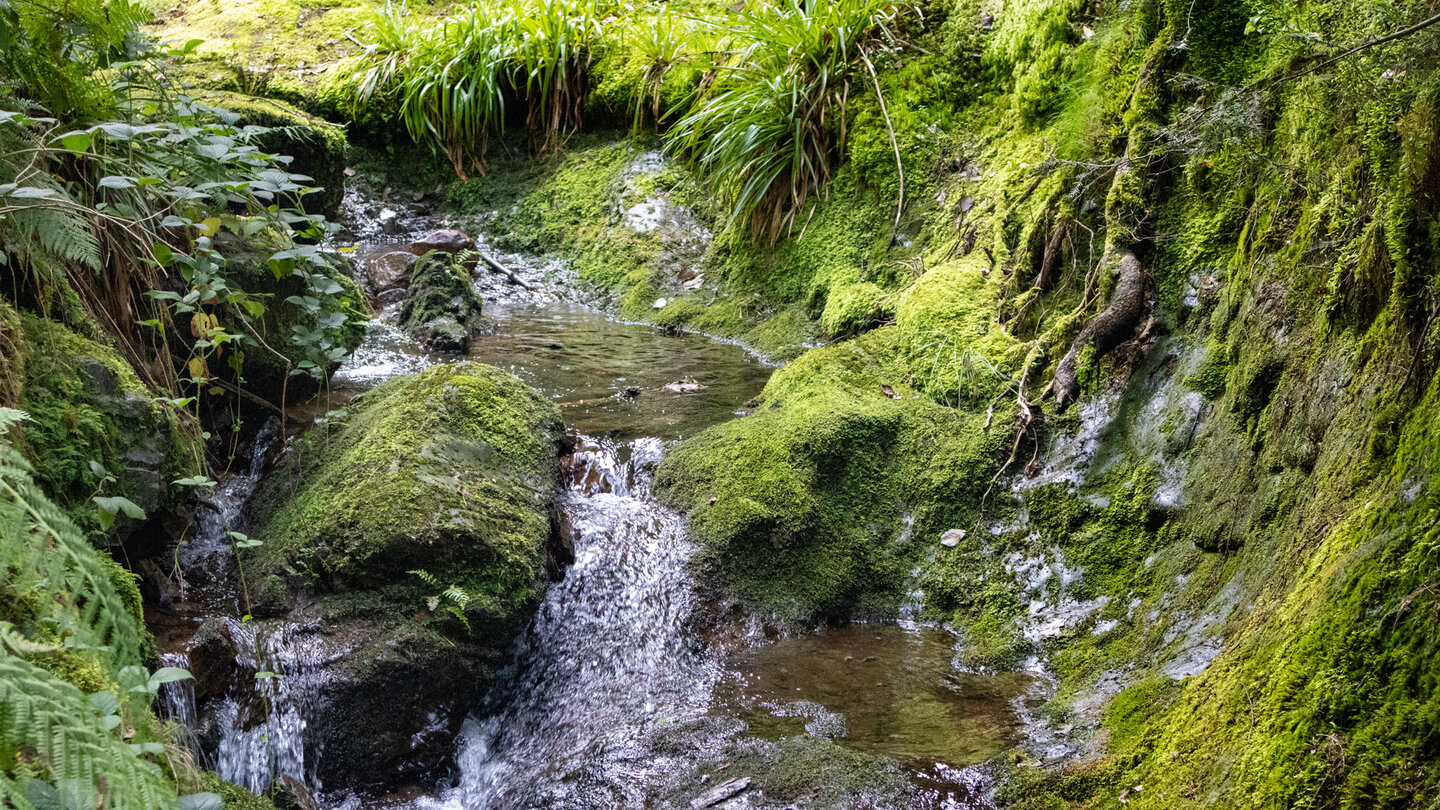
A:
(624, 692)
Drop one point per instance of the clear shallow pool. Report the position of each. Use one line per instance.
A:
(883, 689)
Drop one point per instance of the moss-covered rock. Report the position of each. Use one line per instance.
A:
(316, 146)
(822, 502)
(442, 307)
(416, 533)
(450, 470)
(95, 427)
(269, 370)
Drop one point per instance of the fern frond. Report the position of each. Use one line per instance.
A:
(53, 725)
(44, 552)
(59, 746)
(62, 234)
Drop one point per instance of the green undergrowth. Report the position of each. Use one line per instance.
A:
(316, 147)
(449, 471)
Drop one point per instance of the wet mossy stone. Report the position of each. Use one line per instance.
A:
(442, 308)
(95, 428)
(316, 145)
(438, 483)
(801, 508)
(451, 471)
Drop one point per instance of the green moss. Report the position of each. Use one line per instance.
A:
(450, 471)
(1127, 718)
(799, 506)
(948, 318)
(234, 796)
(442, 308)
(94, 427)
(852, 308)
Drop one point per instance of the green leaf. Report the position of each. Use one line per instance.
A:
(77, 141)
(169, 675)
(194, 481)
(112, 506)
(117, 182)
(105, 703)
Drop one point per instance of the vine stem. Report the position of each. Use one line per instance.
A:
(894, 144)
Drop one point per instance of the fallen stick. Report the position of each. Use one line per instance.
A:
(497, 267)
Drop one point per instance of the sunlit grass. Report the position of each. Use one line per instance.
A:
(761, 114)
(769, 129)
(450, 81)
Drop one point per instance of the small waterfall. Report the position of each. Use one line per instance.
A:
(207, 561)
(263, 732)
(177, 702)
(607, 658)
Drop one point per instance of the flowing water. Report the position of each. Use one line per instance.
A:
(621, 653)
(263, 728)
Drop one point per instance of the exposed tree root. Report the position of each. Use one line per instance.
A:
(1112, 326)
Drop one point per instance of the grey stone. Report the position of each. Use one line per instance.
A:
(721, 792)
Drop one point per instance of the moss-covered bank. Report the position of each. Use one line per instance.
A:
(94, 429)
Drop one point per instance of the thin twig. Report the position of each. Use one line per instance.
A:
(1403, 32)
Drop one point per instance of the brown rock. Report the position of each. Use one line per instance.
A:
(445, 240)
(389, 271)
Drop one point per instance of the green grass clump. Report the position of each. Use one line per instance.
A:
(770, 127)
(450, 81)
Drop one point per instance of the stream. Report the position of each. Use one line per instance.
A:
(623, 686)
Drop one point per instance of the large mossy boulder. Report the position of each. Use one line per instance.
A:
(316, 145)
(415, 533)
(442, 308)
(94, 428)
(821, 503)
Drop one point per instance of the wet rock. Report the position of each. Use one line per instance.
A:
(388, 271)
(684, 387)
(444, 240)
(390, 222)
(442, 308)
(721, 792)
(212, 660)
(453, 472)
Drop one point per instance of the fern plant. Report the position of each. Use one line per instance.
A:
(453, 597)
(60, 747)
